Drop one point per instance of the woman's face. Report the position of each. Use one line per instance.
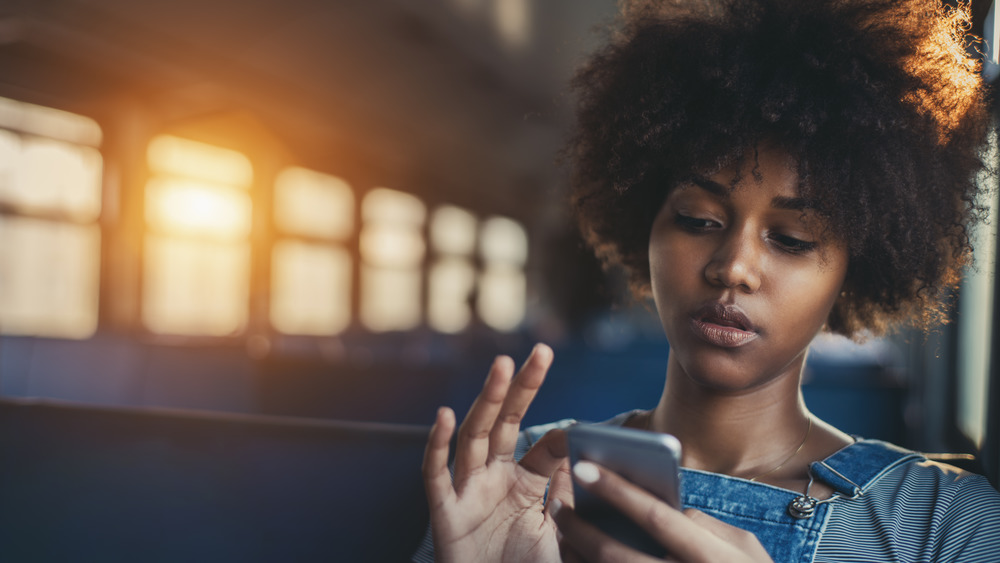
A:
(742, 275)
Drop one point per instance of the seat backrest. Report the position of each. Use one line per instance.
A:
(84, 483)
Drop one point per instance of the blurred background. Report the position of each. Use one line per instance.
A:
(248, 247)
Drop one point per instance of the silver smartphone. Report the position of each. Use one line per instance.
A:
(648, 459)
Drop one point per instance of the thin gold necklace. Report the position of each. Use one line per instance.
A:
(789, 458)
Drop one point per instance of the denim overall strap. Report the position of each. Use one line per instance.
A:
(763, 509)
(758, 508)
(854, 469)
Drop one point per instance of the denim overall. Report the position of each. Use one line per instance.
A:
(760, 508)
(764, 509)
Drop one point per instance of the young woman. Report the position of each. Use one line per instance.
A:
(764, 170)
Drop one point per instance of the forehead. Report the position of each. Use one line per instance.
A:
(765, 167)
(766, 174)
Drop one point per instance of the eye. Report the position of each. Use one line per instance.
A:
(792, 245)
(694, 224)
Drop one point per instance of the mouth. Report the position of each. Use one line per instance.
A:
(723, 325)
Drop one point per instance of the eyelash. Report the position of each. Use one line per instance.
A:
(794, 245)
(786, 243)
(693, 223)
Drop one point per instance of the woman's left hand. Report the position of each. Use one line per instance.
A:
(691, 535)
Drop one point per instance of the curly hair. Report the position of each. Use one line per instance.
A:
(876, 101)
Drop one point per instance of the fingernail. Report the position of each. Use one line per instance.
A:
(555, 505)
(586, 472)
(538, 349)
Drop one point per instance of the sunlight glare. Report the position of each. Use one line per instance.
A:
(49, 122)
(188, 207)
(173, 156)
(383, 205)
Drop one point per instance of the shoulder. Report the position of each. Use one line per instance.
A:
(919, 509)
(918, 481)
(955, 497)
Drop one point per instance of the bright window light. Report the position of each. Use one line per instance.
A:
(188, 207)
(502, 297)
(974, 325)
(50, 188)
(392, 251)
(453, 231)
(173, 156)
(197, 250)
(391, 298)
(310, 288)
(49, 122)
(385, 206)
(450, 284)
(313, 204)
(46, 176)
(392, 246)
(513, 21)
(503, 240)
(195, 287)
(49, 278)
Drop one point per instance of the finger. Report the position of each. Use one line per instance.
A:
(588, 542)
(547, 454)
(717, 527)
(568, 554)
(474, 434)
(665, 524)
(503, 438)
(437, 478)
(562, 485)
(744, 541)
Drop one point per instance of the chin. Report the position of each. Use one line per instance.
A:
(720, 376)
(727, 372)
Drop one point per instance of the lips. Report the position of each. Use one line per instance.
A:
(723, 325)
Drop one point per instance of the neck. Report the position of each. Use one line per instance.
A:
(736, 432)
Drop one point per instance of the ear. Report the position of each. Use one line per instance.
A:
(839, 319)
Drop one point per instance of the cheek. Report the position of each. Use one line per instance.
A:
(674, 267)
(810, 295)
(665, 258)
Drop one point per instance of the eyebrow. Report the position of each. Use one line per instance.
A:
(792, 203)
(779, 202)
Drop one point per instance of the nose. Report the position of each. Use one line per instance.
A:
(736, 262)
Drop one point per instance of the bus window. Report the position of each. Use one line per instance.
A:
(452, 277)
(392, 253)
(50, 203)
(197, 247)
(310, 265)
(975, 317)
(502, 299)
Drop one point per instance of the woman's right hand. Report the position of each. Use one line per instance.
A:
(493, 509)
